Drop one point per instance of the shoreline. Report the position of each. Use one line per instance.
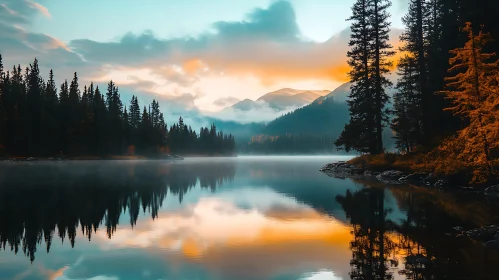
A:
(347, 169)
(81, 158)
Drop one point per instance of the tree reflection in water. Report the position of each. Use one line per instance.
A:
(420, 240)
(37, 201)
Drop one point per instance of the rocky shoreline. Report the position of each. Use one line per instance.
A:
(342, 169)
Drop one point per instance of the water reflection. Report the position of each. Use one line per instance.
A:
(229, 219)
(44, 199)
(417, 246)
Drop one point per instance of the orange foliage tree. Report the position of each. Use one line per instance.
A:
(474, 92)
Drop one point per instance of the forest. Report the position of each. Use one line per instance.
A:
(445, 115)
(39, 119)
(288, 143)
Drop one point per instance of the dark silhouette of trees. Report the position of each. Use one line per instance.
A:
(38, 120)
(368, 59)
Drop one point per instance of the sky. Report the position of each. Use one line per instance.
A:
(195, 54)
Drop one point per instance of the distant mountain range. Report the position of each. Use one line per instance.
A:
(326, 115)
(280, 100)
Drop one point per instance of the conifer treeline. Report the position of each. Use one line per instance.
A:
(38, 119)
(447, 97)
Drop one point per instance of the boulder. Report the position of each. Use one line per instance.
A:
(492, 244)
(483, 234)
(390, 176)
(458, 229)
(414, 178)
(492, 191)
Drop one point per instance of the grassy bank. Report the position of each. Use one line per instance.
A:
(453, 169)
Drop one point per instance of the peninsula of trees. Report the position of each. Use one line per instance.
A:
(38, 120)
(446, 107)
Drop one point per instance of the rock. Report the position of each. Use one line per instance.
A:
(492, 191)
(341, 169)
(492, 244)
(390, 176)
(414, 178)
(440, 183)
(458, 229)
(483, 234)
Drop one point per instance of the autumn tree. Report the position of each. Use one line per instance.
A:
(474, 92)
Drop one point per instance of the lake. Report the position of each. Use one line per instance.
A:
(231, 218)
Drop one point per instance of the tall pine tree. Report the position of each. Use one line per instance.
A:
(369, 62)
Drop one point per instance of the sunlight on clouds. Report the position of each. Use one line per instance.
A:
(39, 7)
(213, 223)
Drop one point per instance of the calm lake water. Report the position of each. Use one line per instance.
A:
(231, 219)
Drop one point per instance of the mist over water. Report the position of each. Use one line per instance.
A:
(246, 217)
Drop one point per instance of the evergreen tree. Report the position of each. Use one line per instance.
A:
(51, 139)
(360, 99)
(381, 64)
(368, 59)
(35, 120)
(407, 121)
(3, 112)
(34, 113)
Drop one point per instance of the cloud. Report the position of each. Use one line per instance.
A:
(39, 7)
(226, 101)
(268, 45)
(260, 111)
(215, 236)
(20, 11)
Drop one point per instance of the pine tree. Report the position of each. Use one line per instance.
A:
(1, 68)
(474, 92)
(369, 62)
(51, 106)
(381, 64)
(359, 133)
(3, 112)
(34, 101)
(35, 120)
(134, 111)
(407, 121)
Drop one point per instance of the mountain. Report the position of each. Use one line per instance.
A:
(340, 94)
(323, 116)
(287, 97)
(310, 129)
(279, 100)
(313, 127)
(246, 105)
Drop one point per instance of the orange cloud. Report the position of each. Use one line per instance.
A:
(222, 237)
(192, 66)
(40, 8)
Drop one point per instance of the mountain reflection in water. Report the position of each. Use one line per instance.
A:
(239, 218)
